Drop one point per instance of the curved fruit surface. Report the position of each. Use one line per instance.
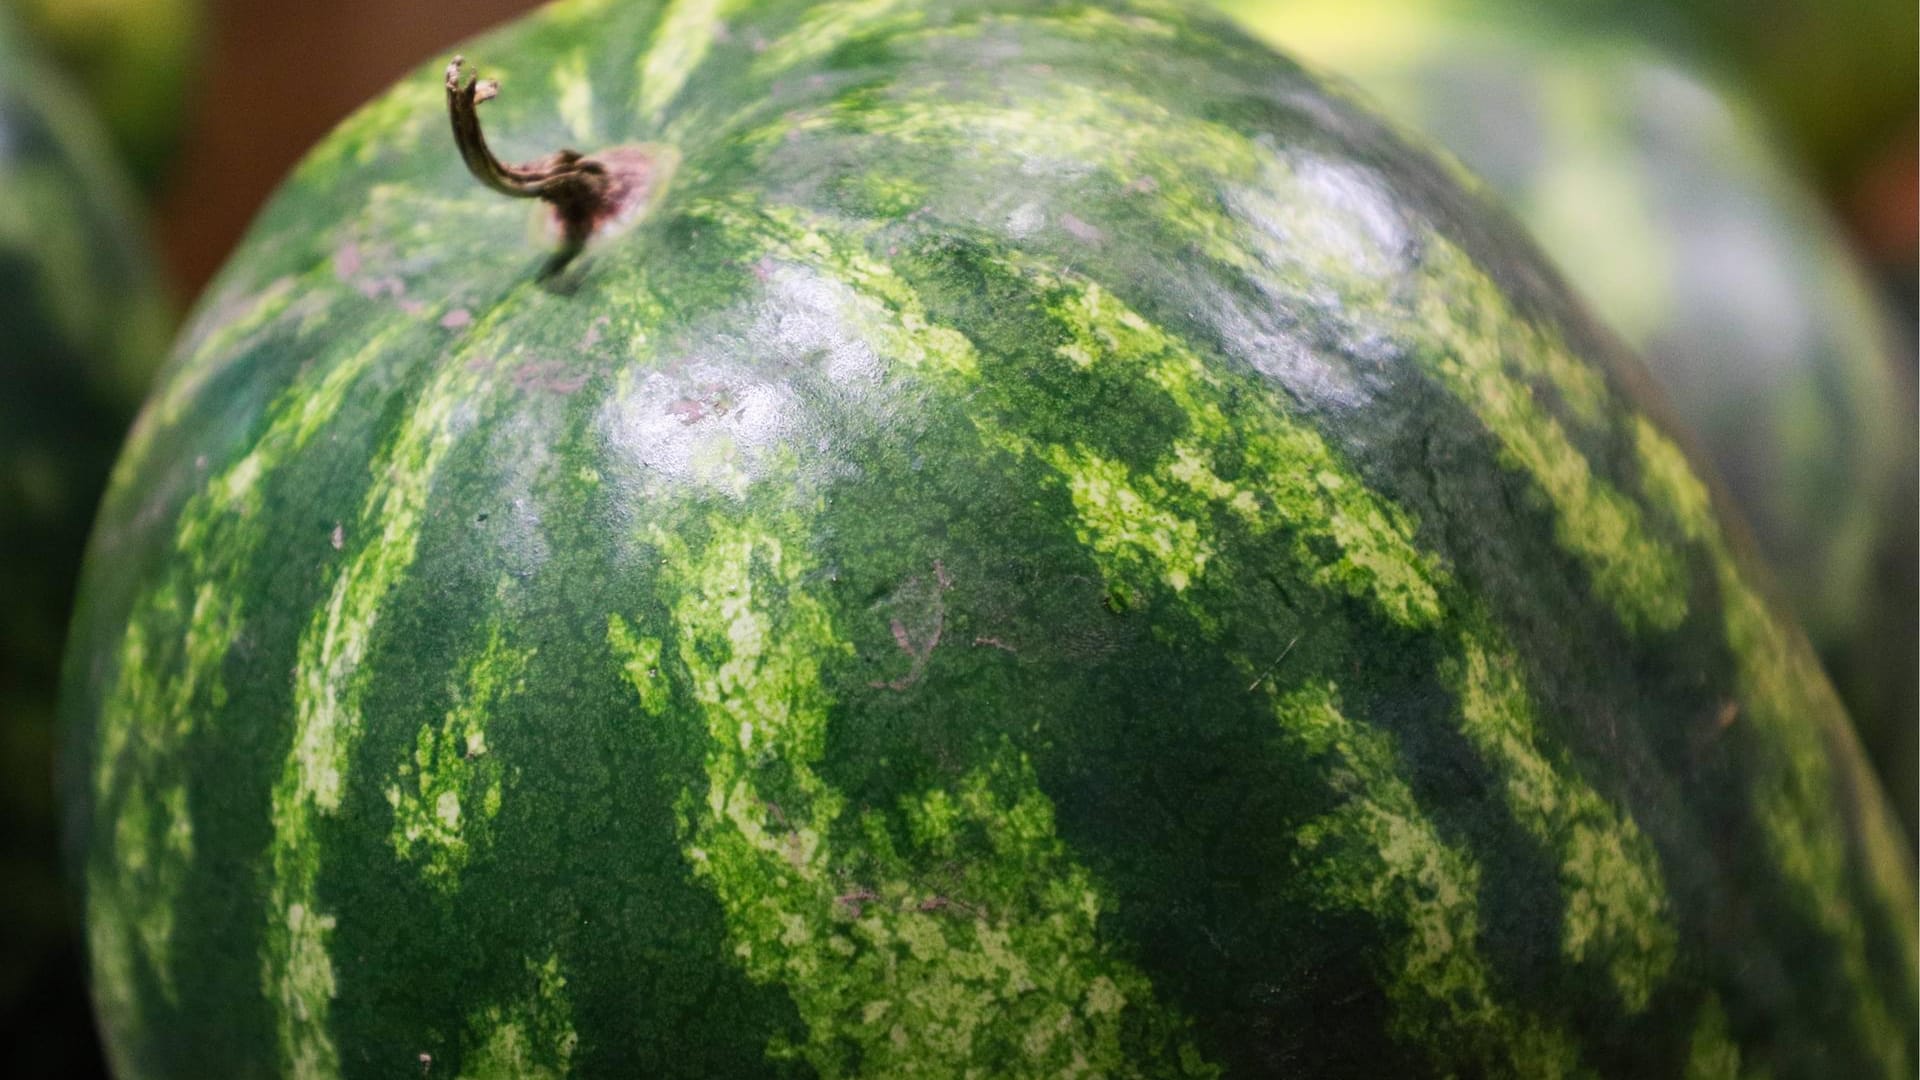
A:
(1053, 545)
(1664, 205)
(133, 59)
(81, 329)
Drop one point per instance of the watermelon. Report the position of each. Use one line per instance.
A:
(1659, 195)
(134, 61)
(1028, 539)
(82, 326)
(1836, 77)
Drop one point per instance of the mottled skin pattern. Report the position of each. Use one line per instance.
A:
(1663, 202)
(81, 329)
(1055, 547)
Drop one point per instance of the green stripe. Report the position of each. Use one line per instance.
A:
(1150, 530)
(297, 973)
(573, 98)
(968, 944)
(168, 675)
(1385, 858)
(1796, 793)
(445, 795)
(528, 1039)
(1616, 905)
(827, 26)
(1463, 331)
(685, 33)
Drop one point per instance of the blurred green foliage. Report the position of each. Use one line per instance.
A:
(83, 325)
(1839, 78)
(134, 60)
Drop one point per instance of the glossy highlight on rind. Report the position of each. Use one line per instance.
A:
(1055, 546)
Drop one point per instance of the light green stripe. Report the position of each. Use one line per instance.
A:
(213, 339)
(528, 1039)
(1293, 482)
(640, 656)
(685, 35)
(445, 795)
(1384, 857)
(827, 26)
(1165, 160)
(1288, 482)
(573, 98)
(1324, 235)
(1465, 333)
(1616, 911)
(1712, 1054)
(897, 968)
(1787, 698)
(169, 674)
(296, 971)
(294, 306)
(1285, 481)
(1134, 536)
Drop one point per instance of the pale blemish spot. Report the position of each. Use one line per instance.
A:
(916, 615)
(1025, 220)
(1080, 230)
(719, 426)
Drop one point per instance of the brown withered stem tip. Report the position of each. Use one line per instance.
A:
(584, 191)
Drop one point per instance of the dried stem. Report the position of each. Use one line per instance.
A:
(575, 186)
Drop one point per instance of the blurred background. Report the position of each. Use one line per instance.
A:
(206, 104)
